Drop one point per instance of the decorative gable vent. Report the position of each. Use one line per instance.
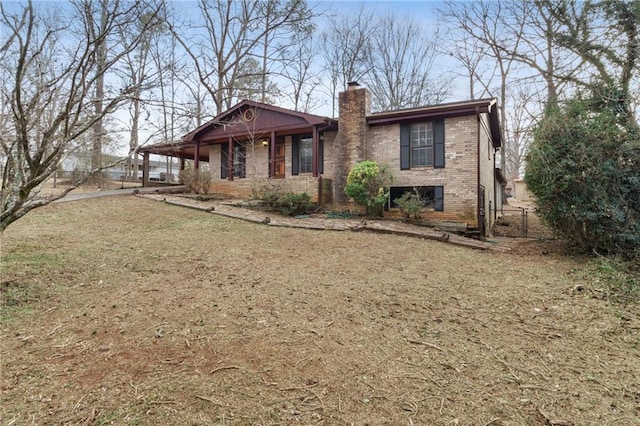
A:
(249, 114)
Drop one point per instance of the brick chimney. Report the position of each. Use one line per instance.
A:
(351, 141)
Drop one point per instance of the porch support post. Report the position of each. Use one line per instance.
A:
(315, 152)
(183, 165)
(145, 169)
(196, 156)
(230, 160)
(272, 150)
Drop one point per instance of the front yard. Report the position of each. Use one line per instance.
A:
(128, 311)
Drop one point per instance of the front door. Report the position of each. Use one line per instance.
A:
(279, 160)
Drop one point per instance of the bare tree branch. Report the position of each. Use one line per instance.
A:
(48, 79)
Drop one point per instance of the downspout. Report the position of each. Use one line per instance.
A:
(479, 202)
(495, 189)
(315, 142)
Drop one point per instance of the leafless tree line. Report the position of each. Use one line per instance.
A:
(535, 54)
(73, 75)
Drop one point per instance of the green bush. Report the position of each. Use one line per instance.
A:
(410, 204)
(271, 198)
(295, 204)
(584, 169)
(368, 185)
(289, 204)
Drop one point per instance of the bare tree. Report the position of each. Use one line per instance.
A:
(180, 99)
(97, 24)
(346, 51)
(230, 34)
(483, 21)
(553, 47)
(139, 74)
(401, 65)
(514, 32)
(279, 39)
(470, 53)
(522, 116)
(48, 78)
(298, 70)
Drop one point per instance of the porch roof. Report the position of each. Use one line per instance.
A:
(247, 120)
(175, 149)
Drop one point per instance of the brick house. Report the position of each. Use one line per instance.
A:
(446, 152)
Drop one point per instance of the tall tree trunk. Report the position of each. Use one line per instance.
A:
(133, 140)
(265, 53)
(101, 59)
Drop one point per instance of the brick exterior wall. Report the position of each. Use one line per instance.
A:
(487, 172)
(257, 178)
(352, 140)
(468, 146)
(458, 178)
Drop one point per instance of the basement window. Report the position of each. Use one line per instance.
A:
(432, 196)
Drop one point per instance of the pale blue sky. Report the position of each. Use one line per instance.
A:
(420, 10)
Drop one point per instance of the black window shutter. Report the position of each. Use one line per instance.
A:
(270, 160)
(224, 157)
(295, 155)
(405, 146)
(438, 145)
(438, 198)
(321, 156)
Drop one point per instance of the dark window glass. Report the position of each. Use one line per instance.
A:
(306, 155)
(421, 138)
(239, 161)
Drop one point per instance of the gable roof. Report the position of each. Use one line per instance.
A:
(251, 117)
(452, 109)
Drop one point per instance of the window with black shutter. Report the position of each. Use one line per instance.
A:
(295, 155)
(438, 198)
(301, 154)
(422, 144)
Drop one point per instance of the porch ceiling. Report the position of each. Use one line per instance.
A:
(179, 150)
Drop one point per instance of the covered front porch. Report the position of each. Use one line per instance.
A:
(252, 144)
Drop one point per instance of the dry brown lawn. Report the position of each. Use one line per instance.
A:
(128, 311)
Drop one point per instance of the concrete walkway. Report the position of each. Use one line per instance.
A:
(75, 196)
